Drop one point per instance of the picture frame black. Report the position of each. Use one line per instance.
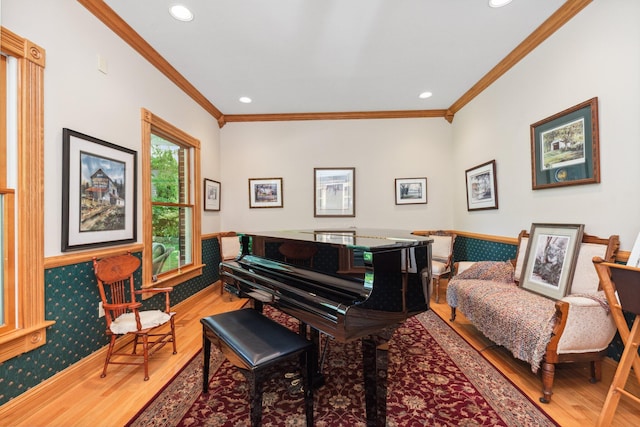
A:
(212, 193)
(411, 191)
(565, 148)
(99, 193)
(482, 187)
(550, 259)
(334, 192)
(265, 193)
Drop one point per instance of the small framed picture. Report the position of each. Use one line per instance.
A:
(482, 187)
(550, 260)
(411, 191)
(211, 195)
(265, 193)
(335, 192)
(565, 148)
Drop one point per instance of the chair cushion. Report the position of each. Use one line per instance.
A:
(441, 247)
(522, 252)
(497, 271)
(585, 277)
(230, 247)
(126, 323)
(438, 268)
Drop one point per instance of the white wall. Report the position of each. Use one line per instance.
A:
(107, 107)
(596, 54)
(380, 150)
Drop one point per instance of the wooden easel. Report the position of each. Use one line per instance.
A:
(626, 281)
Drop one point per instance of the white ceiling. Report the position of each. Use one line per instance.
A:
(293, 56)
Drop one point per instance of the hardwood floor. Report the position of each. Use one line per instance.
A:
(82, 398)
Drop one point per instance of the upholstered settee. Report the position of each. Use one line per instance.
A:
(537, 329)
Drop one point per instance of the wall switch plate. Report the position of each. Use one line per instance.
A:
(102, 64)
(100, 310)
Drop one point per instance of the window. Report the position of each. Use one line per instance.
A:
(171, 194)
(22, 323)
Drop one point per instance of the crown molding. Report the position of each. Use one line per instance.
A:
(560, 17)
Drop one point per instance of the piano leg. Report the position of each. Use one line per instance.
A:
(318, 378)
(375, 361)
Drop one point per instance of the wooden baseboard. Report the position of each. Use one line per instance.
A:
(81, 369)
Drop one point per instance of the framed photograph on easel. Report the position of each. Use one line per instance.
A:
(550, 260)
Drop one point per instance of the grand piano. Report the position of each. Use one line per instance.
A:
(347, 284)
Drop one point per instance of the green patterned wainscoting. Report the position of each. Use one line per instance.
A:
(72, 298)
(473, 249)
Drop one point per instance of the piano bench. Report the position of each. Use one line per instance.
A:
(254, 343)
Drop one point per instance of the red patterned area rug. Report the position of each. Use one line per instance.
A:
(434, 379)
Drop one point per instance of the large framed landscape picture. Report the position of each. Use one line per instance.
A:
(98, 192)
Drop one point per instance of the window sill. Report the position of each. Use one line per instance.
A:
(21, 341)
(175, 278)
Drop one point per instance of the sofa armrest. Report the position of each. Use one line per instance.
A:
(460, 266)
(583, 325)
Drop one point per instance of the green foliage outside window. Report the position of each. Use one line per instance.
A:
(165, 185)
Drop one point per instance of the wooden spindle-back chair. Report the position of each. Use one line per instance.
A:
(123, 314)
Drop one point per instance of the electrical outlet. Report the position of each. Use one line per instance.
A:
(100, 309)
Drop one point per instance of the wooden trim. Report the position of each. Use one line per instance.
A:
(105, 14)
(620, 256)
(544, 31)
(8, 323)
(487, 237)
(3, 121)
(217, 235)
(154, 124)
(490, 238)
(108, 17)
(84, 368)
(352, 115)
(76, 258)
(30, 330)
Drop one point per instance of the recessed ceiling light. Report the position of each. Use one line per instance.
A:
(181, 13)
(498, 3)
(245, 100)
(425, 95)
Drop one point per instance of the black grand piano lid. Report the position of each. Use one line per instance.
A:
(368, 239)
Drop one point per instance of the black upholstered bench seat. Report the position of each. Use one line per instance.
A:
(253, 342)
